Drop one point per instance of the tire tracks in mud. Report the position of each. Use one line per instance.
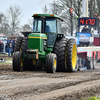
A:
(32, 91)
(76, 92)
(68, 88)
(72, 92)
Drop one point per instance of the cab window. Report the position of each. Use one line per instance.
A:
(37, 25)
(50, 26)
(58, 26)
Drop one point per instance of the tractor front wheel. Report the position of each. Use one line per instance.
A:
(17, 61)
(51, 63)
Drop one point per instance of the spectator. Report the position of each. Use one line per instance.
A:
(85, 29)
(10, 48)
(47, 29)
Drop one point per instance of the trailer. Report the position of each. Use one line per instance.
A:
(88, 56)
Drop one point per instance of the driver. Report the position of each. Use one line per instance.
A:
(47, 29)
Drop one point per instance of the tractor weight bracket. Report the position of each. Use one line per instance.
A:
(32, 53)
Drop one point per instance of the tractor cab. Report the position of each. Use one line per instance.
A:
(49, 25)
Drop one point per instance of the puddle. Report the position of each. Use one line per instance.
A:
(5, 77)
(8, 62)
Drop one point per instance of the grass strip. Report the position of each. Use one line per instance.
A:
(92, 98)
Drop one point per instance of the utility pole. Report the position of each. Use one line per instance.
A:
(85, 8)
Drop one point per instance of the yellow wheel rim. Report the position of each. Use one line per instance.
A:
(74, 56)
(21, 61)
(20, 47)
(34, 61)
(55, 63)
(65, 56)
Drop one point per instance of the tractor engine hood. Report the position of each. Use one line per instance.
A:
(36, 41)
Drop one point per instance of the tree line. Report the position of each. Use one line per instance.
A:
(10, 21)
(61, 8)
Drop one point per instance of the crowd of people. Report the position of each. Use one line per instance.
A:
(9, 47)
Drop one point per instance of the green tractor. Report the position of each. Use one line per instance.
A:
(46, 47)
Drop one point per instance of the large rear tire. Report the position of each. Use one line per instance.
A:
(62, 55)
(17, 61)
(56, 48)
(51, 63)
(18, 44)
(71, 55)
(24, 46)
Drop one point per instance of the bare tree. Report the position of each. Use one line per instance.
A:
(1, 22)
(30, 23)
(98, 7)
(15, 15)
(45, 10)
(26, 27)
(55, 8)
(93, 7)
(61, 8)
(66, 5)
(4, 26)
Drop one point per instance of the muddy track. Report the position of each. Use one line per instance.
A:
(39, 85)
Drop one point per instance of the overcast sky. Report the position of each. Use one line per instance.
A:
(29, 7)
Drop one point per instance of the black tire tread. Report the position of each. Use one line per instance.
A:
(18, 44)
(24, 46)
(16, 61)
(61, 55)
(49, 62)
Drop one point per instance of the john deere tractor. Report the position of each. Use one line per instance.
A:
(46, 47)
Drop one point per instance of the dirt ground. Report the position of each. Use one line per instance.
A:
(39, 85)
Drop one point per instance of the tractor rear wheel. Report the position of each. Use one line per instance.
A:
(17, 61)
(71, 55)
(24, 46)
(62, 55)
(56, 48)
(18, 44)
(51, 63)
